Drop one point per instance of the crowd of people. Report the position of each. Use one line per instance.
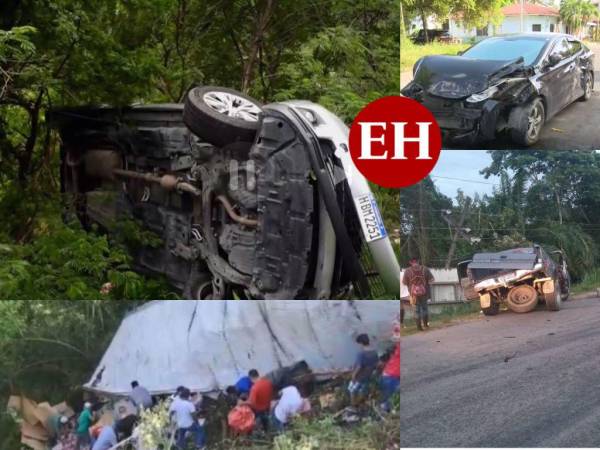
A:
(256, 404)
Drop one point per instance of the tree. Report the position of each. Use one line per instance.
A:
(471, 13)
(577, 13)
(548, 198)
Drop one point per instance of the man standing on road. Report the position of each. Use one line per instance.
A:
(418, 279)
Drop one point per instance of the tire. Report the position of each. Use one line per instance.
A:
(522, 298)
(554, 299)
(493, 310)
(527, 122)
(588, 87)
(218, 122)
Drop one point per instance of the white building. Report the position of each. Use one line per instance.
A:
(444, 289)
(534, 18)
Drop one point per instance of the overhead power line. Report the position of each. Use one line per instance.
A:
(463, 179)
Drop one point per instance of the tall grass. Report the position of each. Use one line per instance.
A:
(411, 52)
(589, 282)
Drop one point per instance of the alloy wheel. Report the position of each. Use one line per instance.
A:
(232, 105)
(535, 121)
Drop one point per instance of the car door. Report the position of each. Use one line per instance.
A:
(557, 75)
(465, 281)
(575, 50)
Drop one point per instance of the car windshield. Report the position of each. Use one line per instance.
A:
(507, 49)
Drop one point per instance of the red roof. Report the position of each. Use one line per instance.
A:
(529, 9)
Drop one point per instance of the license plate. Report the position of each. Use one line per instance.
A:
(370, 217)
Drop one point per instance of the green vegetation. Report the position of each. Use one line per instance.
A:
(447, 315)
(589, 282)
(548, 198)
(48, 348)
(472, 13)
(577, 13)
(79, 52)
(411, 52)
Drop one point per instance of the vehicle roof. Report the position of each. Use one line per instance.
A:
(515, 258)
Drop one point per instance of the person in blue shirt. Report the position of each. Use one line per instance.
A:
(245, 383)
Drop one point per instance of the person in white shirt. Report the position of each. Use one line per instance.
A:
(290, 404)
(184, 412)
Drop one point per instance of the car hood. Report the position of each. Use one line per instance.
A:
(457, 77)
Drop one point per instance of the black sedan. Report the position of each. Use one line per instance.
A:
(510, 84)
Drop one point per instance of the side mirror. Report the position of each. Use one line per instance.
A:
(554, 59)
(459, 53)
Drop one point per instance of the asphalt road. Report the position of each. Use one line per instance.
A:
(514, 380)
(576, 127)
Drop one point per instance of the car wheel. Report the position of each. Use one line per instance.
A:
(528, 122)
(588, 87)
(553, 299)
(493, 310)
(221, 116)
(522, 298)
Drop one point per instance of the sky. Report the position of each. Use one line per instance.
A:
(460, 169)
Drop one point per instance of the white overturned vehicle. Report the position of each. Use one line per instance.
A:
(250, 201)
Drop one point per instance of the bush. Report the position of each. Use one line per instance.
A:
(590, 281)
(411, 52)
(70, 263)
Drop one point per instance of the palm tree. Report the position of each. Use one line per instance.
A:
(577, 13)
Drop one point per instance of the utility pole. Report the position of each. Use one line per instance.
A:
(422, 242)
(457, 231)
(522, 16)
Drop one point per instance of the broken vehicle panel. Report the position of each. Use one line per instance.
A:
(507, 84)
(274, 217)
(516, 277)
(206, 346)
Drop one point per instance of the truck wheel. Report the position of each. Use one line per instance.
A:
(553, 299)
(522, 298)
(493, 310)
(221, 116)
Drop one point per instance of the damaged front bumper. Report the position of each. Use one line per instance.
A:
(464, 123)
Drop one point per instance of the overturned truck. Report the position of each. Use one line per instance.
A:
(520, 278)
(207, 346)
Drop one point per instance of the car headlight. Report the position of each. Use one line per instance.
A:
(483, 95)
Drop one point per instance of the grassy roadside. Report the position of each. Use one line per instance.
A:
(410, 52)
(471, 310)
(589, 282)
(448, 315)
